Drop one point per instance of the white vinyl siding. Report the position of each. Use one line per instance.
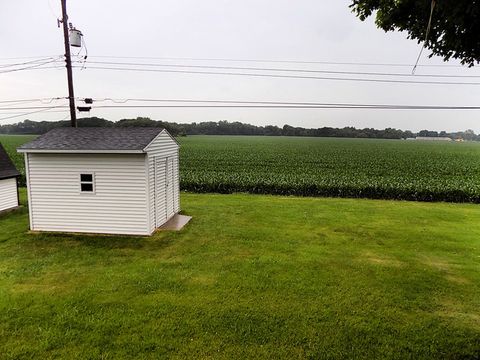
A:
(118, 205)
(176, 182)
(170, 188)
(8, 194)
(160, 197)
(161, 151)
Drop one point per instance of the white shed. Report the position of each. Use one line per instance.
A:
(8, 182)
(102, 180)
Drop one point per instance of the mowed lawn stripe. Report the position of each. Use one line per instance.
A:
(250, 277)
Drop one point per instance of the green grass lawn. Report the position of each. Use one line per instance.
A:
(250, 277)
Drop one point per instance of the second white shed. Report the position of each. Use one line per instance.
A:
(102, 180)
(8, 182)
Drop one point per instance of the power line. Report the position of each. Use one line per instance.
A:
(275, 106)
(28, 57)
(284, 70)
(274, 61)
(298, 107)
(432, 7)
(25, 62)
(351, 63)
(42, 100)
(282, 76)
(62, 119)
(28, 113)
(34, 107)
(52, 11)
(33, 67)
(283, 103)
(6, 112)
(12, 105)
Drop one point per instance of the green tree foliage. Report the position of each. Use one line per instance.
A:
(455, 29)
(231, 128)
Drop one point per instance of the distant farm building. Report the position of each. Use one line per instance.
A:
(433, 138)
(102, 180)
(8, 182)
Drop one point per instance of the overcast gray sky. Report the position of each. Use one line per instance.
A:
(305, 30)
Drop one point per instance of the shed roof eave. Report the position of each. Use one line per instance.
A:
(9, 177)
(53, 151)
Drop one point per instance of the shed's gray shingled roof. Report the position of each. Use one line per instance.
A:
(94, 138)
(7, 169)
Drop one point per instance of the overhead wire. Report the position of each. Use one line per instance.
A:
(288, 61)
(34, 107)
(279, 103)
(427, 33)
(32, 67)
(62, 119)
(53, 11)
(42, 100)
(81, 59)
(282, 76)
(283, 70)
(27, 57)
(271, 105)
(6, 112)
(274, 61)
(12, 105)
(28, 113)
(299, 107)
(2, 66)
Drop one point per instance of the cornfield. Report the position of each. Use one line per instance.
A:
(358, 168)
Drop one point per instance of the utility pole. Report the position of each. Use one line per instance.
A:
(68, 60)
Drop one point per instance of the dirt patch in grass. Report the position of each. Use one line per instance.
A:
(453, 310)
(381, 260)
(204, 280)
(436, 263)
(51, 283)
(449, 270)
(460, 280)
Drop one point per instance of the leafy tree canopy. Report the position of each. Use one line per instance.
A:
(455, 27)
(231, 128)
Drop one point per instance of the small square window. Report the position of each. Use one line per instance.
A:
(87, 183)
(86, 177)
(86, 187)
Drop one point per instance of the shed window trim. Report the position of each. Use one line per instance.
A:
(87, 182)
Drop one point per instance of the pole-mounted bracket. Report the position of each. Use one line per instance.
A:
(84, 108)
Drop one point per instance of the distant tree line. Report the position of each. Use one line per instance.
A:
(233, 128)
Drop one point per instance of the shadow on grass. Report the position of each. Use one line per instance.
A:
(106, 242)
(14, 211)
